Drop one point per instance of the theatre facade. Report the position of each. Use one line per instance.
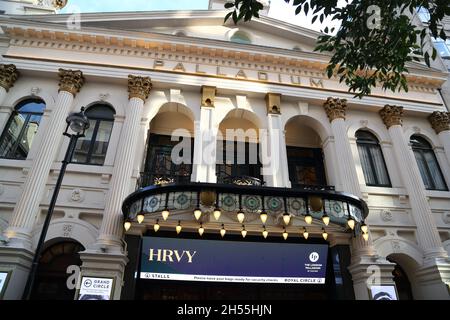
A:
(220, 163)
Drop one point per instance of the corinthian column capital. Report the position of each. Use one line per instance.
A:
(440, 121)
(8, 76)
(70, 81)
(139, 87)
(391, 115)
(335, 108)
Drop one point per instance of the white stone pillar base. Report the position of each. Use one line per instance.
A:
(105, 265)
(433, 281)
(369, 271)
(17, 261)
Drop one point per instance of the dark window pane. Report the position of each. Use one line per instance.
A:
(20, 130)
(305, 166)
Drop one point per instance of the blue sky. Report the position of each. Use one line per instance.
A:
(135, 5)
(278, 9)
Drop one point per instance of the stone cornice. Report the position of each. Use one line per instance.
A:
(145, 41)
(391, 115)
(440, 121)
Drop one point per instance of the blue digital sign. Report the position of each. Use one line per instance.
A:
(233, 261)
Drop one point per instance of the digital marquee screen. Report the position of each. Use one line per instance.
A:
(233, 261)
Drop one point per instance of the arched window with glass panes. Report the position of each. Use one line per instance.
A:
(21, 128)
(428, 166)
(372, 160)
(91, 149)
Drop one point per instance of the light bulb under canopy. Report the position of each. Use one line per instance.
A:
(286, 218)
(263, 217)
(365, 236)
(243, 232)
(285, 234)
(326, 219)
(178, 227)
(351, 223)
(305, 234)
(324, 234)
(223, 231)
(364, 228)
(165, 214)
(201, 230)
(127, 225)
(308, 218)
(240, 216)
(217, 213)
(140, 218)
(156, 226)
(197, 213)
(265, 233)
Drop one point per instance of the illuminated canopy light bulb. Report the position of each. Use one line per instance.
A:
(140, 218)
(240, 216)
(308, 218)
(364, 228)
(223, 231)
(165, 214)
(127, 225)
(351, 223)
(285, 234)
(217, 213)
(243, 232)
(366, 236)
(324, 234)
(265, 233)
(178, 227)
(201, 230)
(263, 217)
(305, 234)
(326, 219)
(156, 226)
(286, 218)
(197, 213)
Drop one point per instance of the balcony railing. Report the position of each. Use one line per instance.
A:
(152, 179)
(240, 180)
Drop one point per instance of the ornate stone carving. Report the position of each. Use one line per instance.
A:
(440, 121)
(8, 76)
(273, 102)
(70, 81)
(77, 195)
(335, 108)
(391, 115)
(139, 87)
(386, 215)
(103, 96)
(67, 230)
(35, 91)
(208, 96)
(364, 123)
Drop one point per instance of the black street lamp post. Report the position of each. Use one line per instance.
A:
(78, 123)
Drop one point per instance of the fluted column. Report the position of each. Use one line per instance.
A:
(336, 112)
(427, 233)
(440, 121)
(112, 225)
(8, 76)
(27, 207)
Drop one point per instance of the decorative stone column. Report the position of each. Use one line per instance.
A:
(8, 76)
(440, 121)
(205, 140)
(363, 253)
(112, 225)
(27, 207)
(17, 254)
(435, 271)
(427, 234)
(273, 145)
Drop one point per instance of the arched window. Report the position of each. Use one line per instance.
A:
(427, 163)
(372, 161)
(240, 37)
(92, 148)
(21, 128)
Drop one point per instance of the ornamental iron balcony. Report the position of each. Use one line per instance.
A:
(250, 199)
